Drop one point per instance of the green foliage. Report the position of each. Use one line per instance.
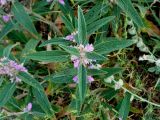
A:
(49, 56)
(6, 93)
(127, 7)
(6, 29)
(43, 102)
(100, 52)
(112, 45)
(23, 18)
(125, 107)
(82, 85)
(28, 79)
(82, 30)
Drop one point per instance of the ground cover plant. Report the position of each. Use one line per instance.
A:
(79, 59)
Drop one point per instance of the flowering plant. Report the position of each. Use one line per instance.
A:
(63, 68)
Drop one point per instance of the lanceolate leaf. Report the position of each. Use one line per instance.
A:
(7, 50)
(82, 82)
(30, 46)
(23, 18)
(125, 107)
(65, 76)
(55, 41)
(95, 56)
(6, 93)
(94, 13)
(7, 28)
(112, 71)
(43, 101)
(49, 56)
(70, 50)
(28, 79)
(68, 24)
(82, 32)
(127, 7)
(112, 45)
(98, 24)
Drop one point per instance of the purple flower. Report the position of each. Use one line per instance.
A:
(61, 2)
(3, 2)
(76, 63)
(28, 107)
(10, 68)
(69, 37)
(6, 18)
(89, 78)
(89, 48)
(73, 58)
(18, 67)
(75, 79)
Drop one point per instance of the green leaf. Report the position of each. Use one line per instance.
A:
(98, 24)
(71, 50)
(125, 107)
(23, 18)
(96, 72)
(109, 93)
(6, 93)
(82, 82)
(55, 41)
(7, 28)
(112, 71)
(49, 56)
(7, 50)
(67, 23)
(94, 13)
(29, 47)
(17, 36)
(127, 7)
(43, 101)
(82, 32)
(112, 45)
(65, 76)
(95, 56)
(28, 79)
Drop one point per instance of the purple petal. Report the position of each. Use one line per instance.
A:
(75, 79)
(90, 79)
(76, 63)
(29, 106)
(61, 2)
(69, 37)
(3, 2)
(6, 18)
(73, 58)
(89, 48)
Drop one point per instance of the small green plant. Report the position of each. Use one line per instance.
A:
(73, 73)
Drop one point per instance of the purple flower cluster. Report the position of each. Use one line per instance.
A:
(11, 69)
(89, 78)
(76, 60)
